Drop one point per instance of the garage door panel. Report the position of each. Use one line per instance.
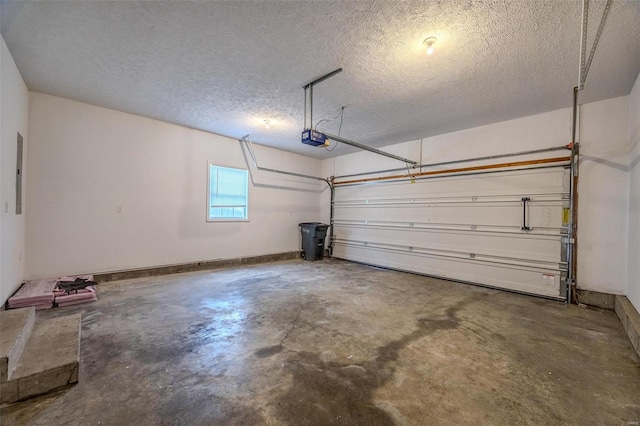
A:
(535, 247)
(501, 229)
(528, 280)
(545, 215)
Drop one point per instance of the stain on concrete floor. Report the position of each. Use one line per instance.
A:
(331, 342)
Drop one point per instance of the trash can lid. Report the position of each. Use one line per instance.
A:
(314, 224)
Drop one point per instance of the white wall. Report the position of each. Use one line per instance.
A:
(14, 118)
(603, 185)
(85, 161)
(603, 196)
(633, 264)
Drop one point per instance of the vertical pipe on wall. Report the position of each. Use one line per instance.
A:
(333, 194)
(575, 162)
(574, 112)
(571, 232)
(569, 245)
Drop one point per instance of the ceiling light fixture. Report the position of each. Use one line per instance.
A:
(430, 42)
(267, 124)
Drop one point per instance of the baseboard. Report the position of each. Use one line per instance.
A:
(630, 320)
(194, 266)
(597, 299)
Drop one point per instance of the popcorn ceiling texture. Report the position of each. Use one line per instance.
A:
(224, 67)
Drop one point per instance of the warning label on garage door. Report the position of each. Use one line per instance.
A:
(548, 279)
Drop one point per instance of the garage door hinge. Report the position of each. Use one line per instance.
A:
(567, 240)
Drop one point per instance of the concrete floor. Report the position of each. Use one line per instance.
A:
(333, 342)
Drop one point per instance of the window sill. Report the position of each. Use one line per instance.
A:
(226, 220)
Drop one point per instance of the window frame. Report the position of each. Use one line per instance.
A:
(208, 195)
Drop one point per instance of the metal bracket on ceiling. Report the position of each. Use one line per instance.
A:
(309, 124)
(585, 64)
(309, 88)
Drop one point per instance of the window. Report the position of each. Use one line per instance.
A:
(228, 193)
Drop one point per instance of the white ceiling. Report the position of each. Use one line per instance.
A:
(224, 67)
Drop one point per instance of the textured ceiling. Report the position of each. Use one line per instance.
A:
(224, 67)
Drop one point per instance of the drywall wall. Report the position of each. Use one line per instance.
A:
(603, 184)
(633, 263)
(14, 118)
(603, 196)
(86, 161)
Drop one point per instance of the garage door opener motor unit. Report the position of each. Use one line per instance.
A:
(314, 138)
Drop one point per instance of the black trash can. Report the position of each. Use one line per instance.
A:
(313, 234)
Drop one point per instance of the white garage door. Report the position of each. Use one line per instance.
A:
(504, 229)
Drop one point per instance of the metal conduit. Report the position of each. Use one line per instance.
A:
(331, 220)
(247, 140)
(572, 247)
(444, 163)
(459, 170)
(466, 198)
(570, 244)
(409, 178)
